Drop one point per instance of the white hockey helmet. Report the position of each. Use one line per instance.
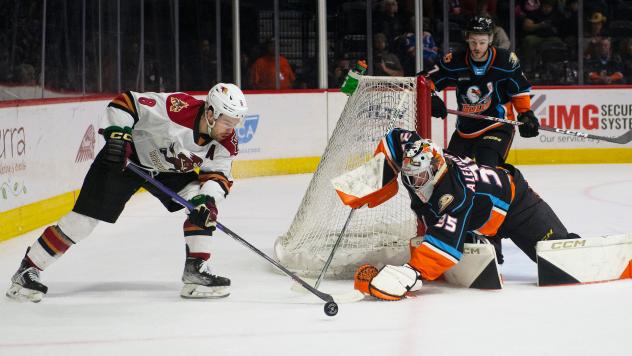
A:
(227, 99)
(422, 166)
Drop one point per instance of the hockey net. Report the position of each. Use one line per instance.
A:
(379, 235)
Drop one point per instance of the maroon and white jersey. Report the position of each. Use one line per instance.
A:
(166, 136)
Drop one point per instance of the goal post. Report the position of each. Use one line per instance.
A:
(378, 235)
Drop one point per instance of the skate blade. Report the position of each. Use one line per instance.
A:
(19, 293)
(196, 291)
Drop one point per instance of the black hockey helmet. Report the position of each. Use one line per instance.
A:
(480, 24)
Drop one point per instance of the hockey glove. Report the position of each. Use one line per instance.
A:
(118, 146)
(205, 213)
(530, 124)
(437, 107)
(390, 283)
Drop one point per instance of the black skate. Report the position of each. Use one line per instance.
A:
(200, 283)
(26, 284)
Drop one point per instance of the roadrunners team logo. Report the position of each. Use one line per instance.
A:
(181, 161)
(176, 104)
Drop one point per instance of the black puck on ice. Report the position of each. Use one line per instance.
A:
(331, 308)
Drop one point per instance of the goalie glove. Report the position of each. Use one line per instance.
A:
(205, 213)
(389, 283)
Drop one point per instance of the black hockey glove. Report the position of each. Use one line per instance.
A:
(118, 146)
(530, 124)
(205, 213)
(437, 107)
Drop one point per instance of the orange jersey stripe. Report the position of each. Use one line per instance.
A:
(522, 103)
(216, 177)
(479, 132)
(430, 261)
(491, 226)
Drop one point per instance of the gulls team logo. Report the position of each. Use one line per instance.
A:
(86, 149)
(476, 100)
(176, 104)
(473, 94)
(246, 132)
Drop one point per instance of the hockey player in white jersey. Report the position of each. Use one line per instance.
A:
(187, 144)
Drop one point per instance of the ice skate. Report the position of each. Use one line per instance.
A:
(200, 283)
(26, 284)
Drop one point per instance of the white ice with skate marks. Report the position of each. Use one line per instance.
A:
(117, 292)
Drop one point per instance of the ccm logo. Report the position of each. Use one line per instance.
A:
(471, 251)
(568, 244)
(121, 135)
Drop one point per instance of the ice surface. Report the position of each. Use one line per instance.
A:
(117, 292)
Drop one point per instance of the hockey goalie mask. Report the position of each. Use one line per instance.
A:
(227, 100)
(422, 165)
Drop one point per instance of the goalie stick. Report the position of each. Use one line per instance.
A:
(331, 308)
(622, 140)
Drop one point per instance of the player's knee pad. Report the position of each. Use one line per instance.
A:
(77, 226)
(190, 190)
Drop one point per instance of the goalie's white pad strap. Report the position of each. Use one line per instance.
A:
(478, 268)
(397, 280)
(587, 260)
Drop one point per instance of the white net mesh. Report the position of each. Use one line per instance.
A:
(379, 235)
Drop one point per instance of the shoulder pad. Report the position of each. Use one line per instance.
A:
(448, 195)
(231, 144)
(506, 59)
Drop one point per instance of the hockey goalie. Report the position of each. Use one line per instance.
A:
(458, 201)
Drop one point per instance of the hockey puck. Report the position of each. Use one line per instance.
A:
(331, 308)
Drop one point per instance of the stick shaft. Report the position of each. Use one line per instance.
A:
(333, 250)
(623, 139)
(185, 203)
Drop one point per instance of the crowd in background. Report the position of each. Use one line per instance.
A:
(546, 35)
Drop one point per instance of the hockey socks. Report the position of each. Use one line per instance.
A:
(48, 248)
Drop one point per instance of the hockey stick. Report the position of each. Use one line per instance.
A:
(333, 250)
(622, 140)
(348, 297)
(331, 308)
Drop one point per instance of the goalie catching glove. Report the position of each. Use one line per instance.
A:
(389, 283)
(205, 213)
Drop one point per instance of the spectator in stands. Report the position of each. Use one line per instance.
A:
(385, 63)
(605, 68)
(540, 26)
(596, 32)
(500, 38)
(625, 53)
(25, 74)
(569, 23)
(388, 21)
(262, 72)
(407, 48)
(203, 66)
(339, 72)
